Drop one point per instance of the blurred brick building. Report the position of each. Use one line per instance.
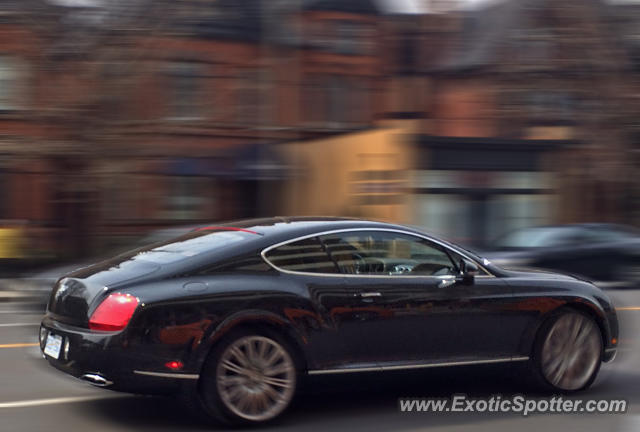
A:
(116, 120)
(528, 120)
(167, 112)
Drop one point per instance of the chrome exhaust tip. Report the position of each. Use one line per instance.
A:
(96, 380)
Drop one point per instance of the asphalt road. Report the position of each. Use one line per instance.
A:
(34, 397)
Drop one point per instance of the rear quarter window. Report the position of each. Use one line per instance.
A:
(308, 256)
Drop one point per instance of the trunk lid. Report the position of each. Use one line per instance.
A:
(72, 298)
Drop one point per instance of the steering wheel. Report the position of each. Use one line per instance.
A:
(443, 271)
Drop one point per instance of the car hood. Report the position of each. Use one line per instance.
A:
(508, 255)
(540, 275)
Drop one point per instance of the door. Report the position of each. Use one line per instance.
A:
(411, 307)
(327, 321)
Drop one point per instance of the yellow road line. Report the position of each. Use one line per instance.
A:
(628, 308)
(19, 345)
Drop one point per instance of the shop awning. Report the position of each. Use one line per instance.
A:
(250, 162)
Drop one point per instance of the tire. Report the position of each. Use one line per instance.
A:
(249, 378)
(567, 353)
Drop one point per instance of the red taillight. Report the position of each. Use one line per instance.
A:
(114, 312)
(174, 365)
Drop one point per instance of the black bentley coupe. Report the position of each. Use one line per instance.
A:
(236, 315)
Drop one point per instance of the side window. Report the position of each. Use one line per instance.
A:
(604, 235)
(387, 253)
(571, 237)
(306, 255)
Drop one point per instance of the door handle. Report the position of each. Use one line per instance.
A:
(370, 294)
(446, 283)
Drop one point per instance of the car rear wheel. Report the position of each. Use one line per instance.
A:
(249, 378)
(568, 352)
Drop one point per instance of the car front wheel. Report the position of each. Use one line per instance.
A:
(568, 352)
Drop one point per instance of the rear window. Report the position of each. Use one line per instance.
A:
(186, 246)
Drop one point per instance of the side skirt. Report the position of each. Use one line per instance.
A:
(392, 367)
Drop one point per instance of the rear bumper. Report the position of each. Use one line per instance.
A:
(611, 344)
(108, 360)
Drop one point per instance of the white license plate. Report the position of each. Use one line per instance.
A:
(52, 348)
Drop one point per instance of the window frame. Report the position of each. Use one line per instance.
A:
(447, 249)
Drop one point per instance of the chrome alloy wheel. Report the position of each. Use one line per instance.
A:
(571, 351)
(256, 378)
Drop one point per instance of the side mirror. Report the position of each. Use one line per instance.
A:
(468, 271)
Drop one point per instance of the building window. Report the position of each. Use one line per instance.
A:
(352, 38)
(540, 106)
(10, 84)
(313, 101)
(337, 93)
(347, 38)
(254, 103)
(187, 91)
(341, 37)
(407, 53)
(550, 105)
(360, 106)
(316, 34)
(185, 199)
(336, 101)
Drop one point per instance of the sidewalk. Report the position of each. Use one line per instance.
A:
(24, 290)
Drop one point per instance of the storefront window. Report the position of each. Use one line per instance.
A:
(476, 219)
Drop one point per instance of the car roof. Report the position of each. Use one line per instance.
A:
(298, 225)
